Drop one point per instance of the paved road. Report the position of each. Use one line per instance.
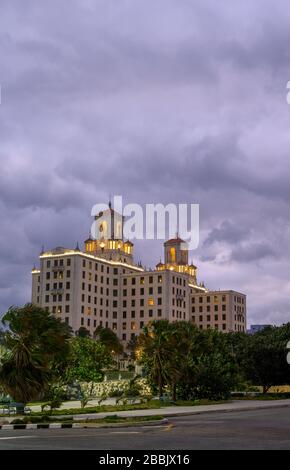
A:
(256, 429)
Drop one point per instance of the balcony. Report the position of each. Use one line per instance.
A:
(57, 269)
(180, 296)
(57, 291)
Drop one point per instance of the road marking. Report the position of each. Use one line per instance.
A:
(125, 432)
(169, 427)
(15, 437)
(154, 427)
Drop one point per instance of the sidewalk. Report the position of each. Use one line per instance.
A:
(77, 404)
(167, 411)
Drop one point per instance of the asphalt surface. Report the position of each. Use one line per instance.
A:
(257, 429)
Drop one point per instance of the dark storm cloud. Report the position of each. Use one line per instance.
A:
(252, 252)
(227, 232)
(162, 101)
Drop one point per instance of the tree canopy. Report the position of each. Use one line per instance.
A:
(88, 358)
(109, 339)
(36, 348)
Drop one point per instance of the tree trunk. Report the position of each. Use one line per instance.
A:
(160, 386)
(174, 392)
(266, 388)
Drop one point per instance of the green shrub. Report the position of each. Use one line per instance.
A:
(18, 421)
(115, 393)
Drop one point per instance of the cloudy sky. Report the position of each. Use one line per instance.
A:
(159, 101)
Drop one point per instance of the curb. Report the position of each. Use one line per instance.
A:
(9, 427)
(232, 410)
(137, 424)
(199, 412)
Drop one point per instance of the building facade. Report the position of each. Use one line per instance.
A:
(101, 285)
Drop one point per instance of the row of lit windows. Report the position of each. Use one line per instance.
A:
(60, 309)
(85, 264)
(133, 325)
(89, 311)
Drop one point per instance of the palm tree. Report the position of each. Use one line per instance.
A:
(155, 344)
(21, 375)
(37, 346)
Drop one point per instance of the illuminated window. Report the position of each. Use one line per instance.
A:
(133, 325)
(160, 279)
(172, 254)
(150, 301)
(118, 230)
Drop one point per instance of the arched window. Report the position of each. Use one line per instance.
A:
(118, 230)
(172, 253)
(103, 229)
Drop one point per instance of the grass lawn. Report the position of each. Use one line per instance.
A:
(114, 419)
(118, 419)
(153, 404)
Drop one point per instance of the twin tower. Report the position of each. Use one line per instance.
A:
(107, 241)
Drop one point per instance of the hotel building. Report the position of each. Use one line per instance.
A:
(101, 285)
